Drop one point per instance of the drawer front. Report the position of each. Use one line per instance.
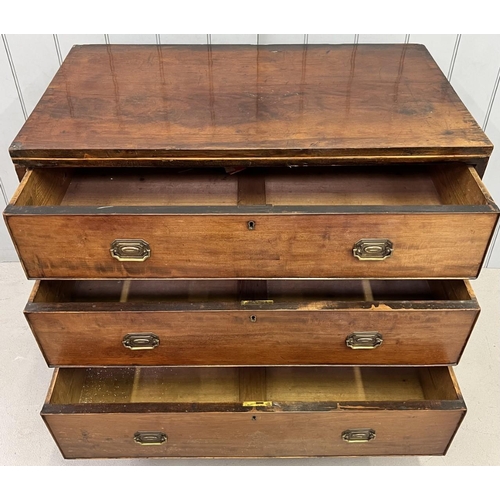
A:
(279, 246)
(255, 434)
(422, 337)
(253, 412)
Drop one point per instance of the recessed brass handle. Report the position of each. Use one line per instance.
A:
(259, 302)
(130, 250)
(364, 340)
(373, 249)
(140, 341)
(150, 438)
(358, 435)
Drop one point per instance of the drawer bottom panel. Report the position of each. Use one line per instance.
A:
(253, 412)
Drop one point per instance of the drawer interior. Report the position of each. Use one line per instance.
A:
(234, 385)
(236, 291)
(437, 185)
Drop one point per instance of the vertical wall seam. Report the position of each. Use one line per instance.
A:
(158, 39)
(14, 76)
(454, 57)
(407, 38)
(492, 101)
(356, 39)
(4, 194)
(58, 49)
(258, 39)
(106, 39)
(209, 39)
(306, 39)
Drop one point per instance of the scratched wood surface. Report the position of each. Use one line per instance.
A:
(309, 102)
(96, 413)
(204, 323)
(302, 241)
(282, 246)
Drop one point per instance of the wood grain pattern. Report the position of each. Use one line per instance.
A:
(410, 425)
(250, 103)
(196, 223)
(270, 435)
(301, 326)
(439, 245)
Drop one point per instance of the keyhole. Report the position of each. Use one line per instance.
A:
(253, 318)
(251, 225)
(254, 418)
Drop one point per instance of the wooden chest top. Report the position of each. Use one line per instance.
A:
(307, 103)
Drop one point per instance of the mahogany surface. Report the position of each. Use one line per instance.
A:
(302, 103)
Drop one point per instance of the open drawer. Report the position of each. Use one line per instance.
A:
(395, 222)
(243, 322)
(253, 412)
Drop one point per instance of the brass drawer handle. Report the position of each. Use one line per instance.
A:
(372, 249)
(140, 341)
(130, 250)
(358, 435)
(365, 340)
(150, 438)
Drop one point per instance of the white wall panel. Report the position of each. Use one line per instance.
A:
(184, 39)
(331, 38)
(381, 38)
(236, 39)
(132, 39)
(276, 39)
(36, 62)
(11, 120)
(492, 175)
(67, 41)
(475, 71)
(440, 47)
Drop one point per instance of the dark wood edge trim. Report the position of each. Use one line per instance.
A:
(246, 210)
(478, 162)
(326, 306)
(278, 407)
(212, 278)
(266, 152)
(232, 365)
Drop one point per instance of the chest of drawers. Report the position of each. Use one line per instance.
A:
(248, 251)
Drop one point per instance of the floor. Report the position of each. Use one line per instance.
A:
(24, 439)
